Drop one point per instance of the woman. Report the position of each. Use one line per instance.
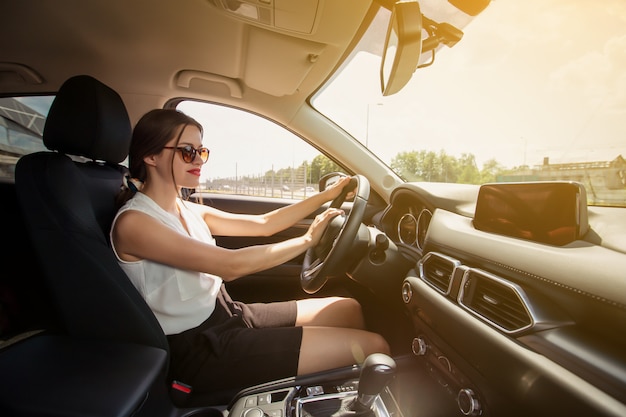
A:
(166, 247)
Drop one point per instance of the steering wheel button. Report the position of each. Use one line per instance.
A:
(254, 412)
(264, 399)
(316, 390)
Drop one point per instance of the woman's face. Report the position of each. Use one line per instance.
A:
(189, 157)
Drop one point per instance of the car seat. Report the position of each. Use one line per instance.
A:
(67, 196)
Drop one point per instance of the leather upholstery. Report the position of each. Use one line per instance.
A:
(88, 119)
(69, 206)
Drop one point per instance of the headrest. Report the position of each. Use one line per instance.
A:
(88, 118)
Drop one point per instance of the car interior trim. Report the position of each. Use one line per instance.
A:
(531, 374)
(535, 260)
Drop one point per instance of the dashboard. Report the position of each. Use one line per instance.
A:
(510, 325)
(413, 225)
(407, 219)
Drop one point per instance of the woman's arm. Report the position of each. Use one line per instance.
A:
(137, 235)
(229, 224)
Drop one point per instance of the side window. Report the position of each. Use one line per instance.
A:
(254, 156)
(21, 128)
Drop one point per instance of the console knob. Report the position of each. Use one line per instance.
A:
(407, 292)
(419, 346)
(468, 402)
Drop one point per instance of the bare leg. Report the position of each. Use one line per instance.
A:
(325, 348)
(333, 335)
(330, 311)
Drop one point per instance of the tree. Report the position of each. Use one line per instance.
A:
(409, 165)
(440, 167)
(490, 171)
(322, 165)
(413, 165)
(468, 170)
(426, 166)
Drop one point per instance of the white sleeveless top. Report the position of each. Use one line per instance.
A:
(180, 299)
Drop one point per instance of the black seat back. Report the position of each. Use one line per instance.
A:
(67, 196)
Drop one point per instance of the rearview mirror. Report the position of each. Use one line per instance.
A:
(403, 46)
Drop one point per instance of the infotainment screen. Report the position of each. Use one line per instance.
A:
(547, 212)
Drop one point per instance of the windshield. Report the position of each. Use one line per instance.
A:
(535, 90)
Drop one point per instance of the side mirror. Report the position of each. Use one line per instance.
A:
(329, 179)
(403, 46)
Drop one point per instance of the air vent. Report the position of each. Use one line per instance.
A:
(497, 301)
(437, 271)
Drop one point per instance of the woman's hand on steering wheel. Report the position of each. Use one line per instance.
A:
(317, 228)
(333, 253)
(336, 189)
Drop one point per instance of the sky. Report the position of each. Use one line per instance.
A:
(244, 144)
(529, 79)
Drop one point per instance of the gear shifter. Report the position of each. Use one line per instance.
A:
(376, 372)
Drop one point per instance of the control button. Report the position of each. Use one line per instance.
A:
(345, 388)
(254, 412)
(445, 362)
(264, 399)
(250, 402)
(275, 413)
(468, 402)
(316, 390)
(419, 346)
(407, 292)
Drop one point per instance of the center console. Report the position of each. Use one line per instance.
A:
(366, 395)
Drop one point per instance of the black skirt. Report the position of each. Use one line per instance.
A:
(238, 346)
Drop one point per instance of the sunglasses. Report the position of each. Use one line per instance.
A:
(188, 152)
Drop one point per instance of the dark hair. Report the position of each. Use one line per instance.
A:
(150, 135)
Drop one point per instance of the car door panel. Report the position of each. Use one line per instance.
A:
(279, 283)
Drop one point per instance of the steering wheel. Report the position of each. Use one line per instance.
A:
(331, 256)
